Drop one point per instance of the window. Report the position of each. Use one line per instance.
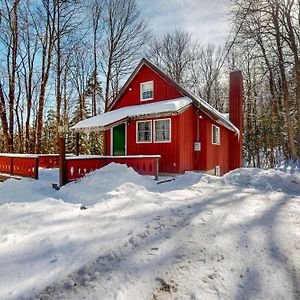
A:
(215, 135)
(144, 132)
(147, 90)
(162, 130)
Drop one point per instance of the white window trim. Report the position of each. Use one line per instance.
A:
(136, 130)
(141, 91)
(218, 135)
(169, 141)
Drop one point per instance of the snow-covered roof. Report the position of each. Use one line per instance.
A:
(222, 118)
(105, 120)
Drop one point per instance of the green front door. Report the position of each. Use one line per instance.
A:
(119, 140)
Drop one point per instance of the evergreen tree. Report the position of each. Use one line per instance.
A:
(49, 133)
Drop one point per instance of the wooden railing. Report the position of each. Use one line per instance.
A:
(27, 165)
(77, 167)
(21, 165)
(48, 160)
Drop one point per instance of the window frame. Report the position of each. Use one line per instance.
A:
(141, 90)
(170, 130)
(137, 130)
(218, 142)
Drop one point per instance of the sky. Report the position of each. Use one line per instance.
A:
(207, 20)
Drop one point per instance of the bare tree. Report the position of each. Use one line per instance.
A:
(124, 35)
(44, 26)
(96, 9)
(176, 53)
(267, 26)
(29, 46)
(10, 41)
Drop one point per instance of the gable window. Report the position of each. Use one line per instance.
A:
(147, 90)
(144, 132)
(215, 135)
(162, 130)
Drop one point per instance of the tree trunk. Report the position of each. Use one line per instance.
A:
(285, 89)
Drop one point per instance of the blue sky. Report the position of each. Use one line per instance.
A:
(207, 20)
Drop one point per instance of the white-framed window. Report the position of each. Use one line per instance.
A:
(144, 131)
(162, 131)
(147, 89)
(215, 135)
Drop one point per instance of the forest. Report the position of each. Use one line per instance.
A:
(65, 60)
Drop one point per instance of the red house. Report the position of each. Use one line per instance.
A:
(153, 115)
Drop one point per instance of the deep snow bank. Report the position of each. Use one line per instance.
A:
(93, 188)
(266, 180)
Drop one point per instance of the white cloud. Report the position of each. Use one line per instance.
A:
(207, 20)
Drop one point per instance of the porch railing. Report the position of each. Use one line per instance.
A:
(27, 165)
(48, 160)
(20, 165)
(77, 167)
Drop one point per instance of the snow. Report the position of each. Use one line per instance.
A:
(224, 118)
(103, 120)
(288, 166)
(108, 156)
(19, 155)
(117, 235)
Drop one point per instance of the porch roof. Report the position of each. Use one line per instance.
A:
(108, 119)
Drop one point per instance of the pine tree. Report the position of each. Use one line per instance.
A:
(49, 133)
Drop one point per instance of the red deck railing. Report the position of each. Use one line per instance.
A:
(20, 164)
(48, 160)
(26, 164)
(77, 167)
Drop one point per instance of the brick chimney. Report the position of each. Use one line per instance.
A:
(236, 117)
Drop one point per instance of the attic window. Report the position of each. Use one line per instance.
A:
(147, 90)
(215, 135)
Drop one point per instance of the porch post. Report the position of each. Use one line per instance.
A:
(156, 168)
(36, 176)
(63, 178)
(77, 146)
(104, 143)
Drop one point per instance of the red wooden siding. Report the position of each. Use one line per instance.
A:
(162, 89)
(179, 156)
(213, 155)
(186, 138)
(169, 162)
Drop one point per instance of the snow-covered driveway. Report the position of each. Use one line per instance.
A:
(198, 237)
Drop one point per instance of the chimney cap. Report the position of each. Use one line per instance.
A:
(236, 71)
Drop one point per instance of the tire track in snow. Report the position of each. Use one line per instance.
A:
(115, 265)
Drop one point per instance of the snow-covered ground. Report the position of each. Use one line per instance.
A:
(197, 237)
